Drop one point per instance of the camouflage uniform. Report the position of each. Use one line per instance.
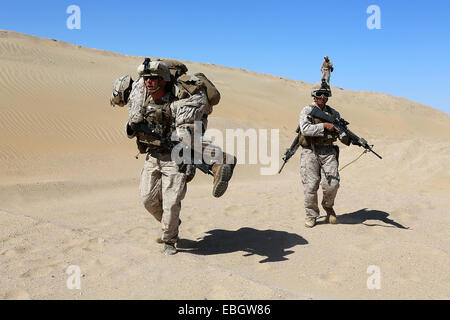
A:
(326, 68)
(162, 186)
(319, 162)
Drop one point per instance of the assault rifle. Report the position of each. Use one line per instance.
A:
(167, 145)
(292, 149)
(345, 135)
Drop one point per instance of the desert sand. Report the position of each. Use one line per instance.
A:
(69, 192)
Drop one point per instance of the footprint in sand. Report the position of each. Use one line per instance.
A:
(138, 232)
(49, 261)
(95, 244)
(74, 245)
(37, 272)
(17, 251)
(232, 211)
(9, 253)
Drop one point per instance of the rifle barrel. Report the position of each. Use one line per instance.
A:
(371, 150)
(282, 167)
(341, 124)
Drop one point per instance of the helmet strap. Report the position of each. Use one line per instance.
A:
(155, 90)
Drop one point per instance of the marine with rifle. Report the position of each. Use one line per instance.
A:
(320, 126)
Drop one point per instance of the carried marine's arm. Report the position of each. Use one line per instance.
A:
(292, 149)
(341, 128)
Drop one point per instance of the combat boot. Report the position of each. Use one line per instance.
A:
(222, 174)
(190, 173)
(331, 216)
(169, 249)
(310, 222)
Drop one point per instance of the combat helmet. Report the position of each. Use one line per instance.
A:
(320, 88)
(121, 91)
(154, 68)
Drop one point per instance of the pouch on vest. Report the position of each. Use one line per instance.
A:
(302, 140)
(158, 118)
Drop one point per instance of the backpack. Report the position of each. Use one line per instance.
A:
(189, 84)
(121, 91)
(176, 68)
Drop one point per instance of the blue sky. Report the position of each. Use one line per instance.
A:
(407, 57)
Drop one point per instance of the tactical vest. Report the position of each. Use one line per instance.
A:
(159, 119)
(327, 139)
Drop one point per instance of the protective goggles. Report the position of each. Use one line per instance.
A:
(322, 93)
(151, 77)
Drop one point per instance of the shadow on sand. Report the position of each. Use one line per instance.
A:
(270, 244)
(363, 215)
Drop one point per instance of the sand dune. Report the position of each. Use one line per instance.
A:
(69, 192)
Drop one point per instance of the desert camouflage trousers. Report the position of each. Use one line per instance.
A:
(326, 75)
(162, 188)
(317, 168)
